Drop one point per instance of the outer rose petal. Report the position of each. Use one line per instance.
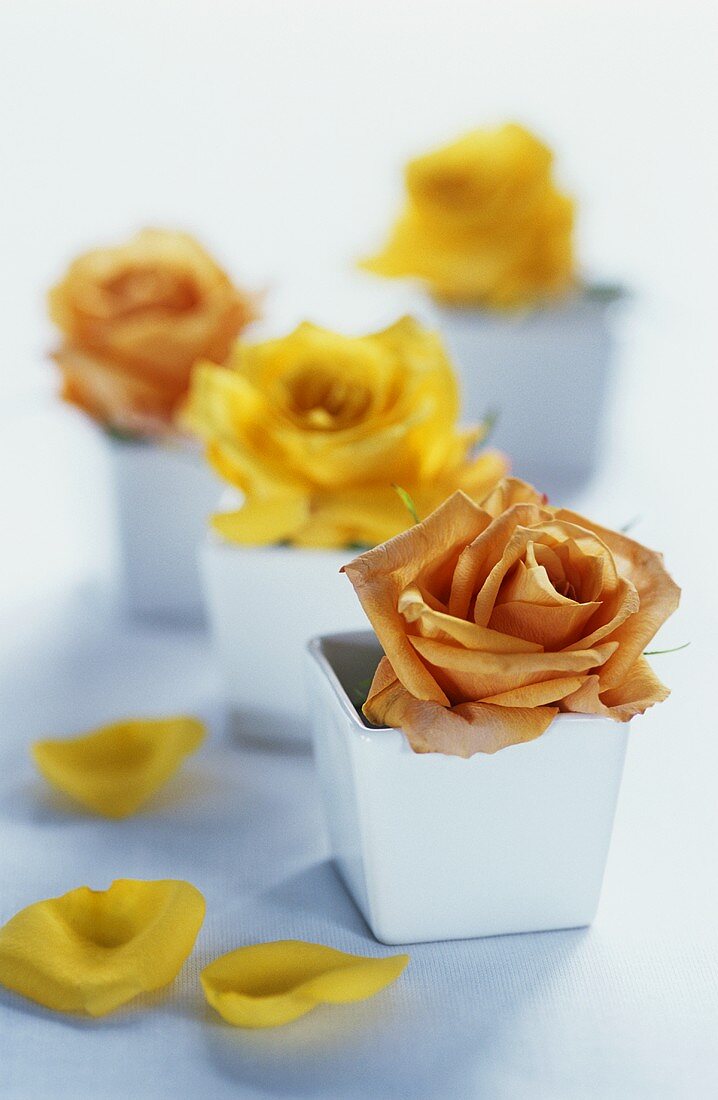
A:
(462, 730)
(268, 984)
(658, 596)
(380, 575)
(113, 395)
(640, 690)
(263, 522)
(117, 768)
(93, 950)
(510, 491)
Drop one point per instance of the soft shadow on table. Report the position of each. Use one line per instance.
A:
(125, 1018)
(415, 1039)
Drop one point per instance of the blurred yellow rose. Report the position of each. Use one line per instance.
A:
(315, 428)
(484, 223)
(135, 318)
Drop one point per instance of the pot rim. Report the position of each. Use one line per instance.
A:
(315, 648)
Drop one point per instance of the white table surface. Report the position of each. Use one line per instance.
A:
(107, 129)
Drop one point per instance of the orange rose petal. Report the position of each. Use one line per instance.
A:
(443, 627)
(640, 690)
(554, 626)
(537, 695)
(381, 574)
(511, 491)
(463, 730)
(657, 591)
(618, 607)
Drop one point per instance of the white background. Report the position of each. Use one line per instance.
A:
(275, 132)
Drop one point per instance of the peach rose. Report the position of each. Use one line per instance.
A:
(494, 618)
(135, 319)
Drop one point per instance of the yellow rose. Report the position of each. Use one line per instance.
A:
(484, 223)
(495, 618)
(315, 428)
(135, 319)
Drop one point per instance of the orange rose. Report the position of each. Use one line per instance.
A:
(495, 618)
(135, 319)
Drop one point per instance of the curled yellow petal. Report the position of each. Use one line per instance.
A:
(114, 770)
(268, 984)
(93, 950)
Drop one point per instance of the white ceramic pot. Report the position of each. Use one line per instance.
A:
(164, 494)
(546, 375)
(435, 847)
(263, 604)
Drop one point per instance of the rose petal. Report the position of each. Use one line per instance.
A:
(269, 984)
(380, 575)
(443, 627)
(639, 690)
(462, 730)
(479, 558)
(93, 950)
(467, 675)
(114, 770)
(553, 627)
(537, 695)
(263, 522)
(510, 491)
(658, 598)
(615, 609)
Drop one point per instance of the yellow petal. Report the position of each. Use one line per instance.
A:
(263, 522)
(267, 984)
(113, 770)
(94, 950)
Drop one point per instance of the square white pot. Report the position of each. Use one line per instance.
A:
(436, 847)
(263, 604)
(546, 373)
(164, 494)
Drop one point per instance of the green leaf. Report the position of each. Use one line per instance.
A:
(406, 500)
(123, 437)
(658, 652)
(488, 424)
(360, 692)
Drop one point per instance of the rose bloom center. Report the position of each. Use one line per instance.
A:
(322, 401)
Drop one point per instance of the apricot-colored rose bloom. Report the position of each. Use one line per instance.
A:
(314, 429)
(484, 223)
(135, 319)
(494, 618)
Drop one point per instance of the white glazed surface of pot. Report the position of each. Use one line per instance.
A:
(164, 494)
(436, 847)
(546, 374)
(263, 605)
